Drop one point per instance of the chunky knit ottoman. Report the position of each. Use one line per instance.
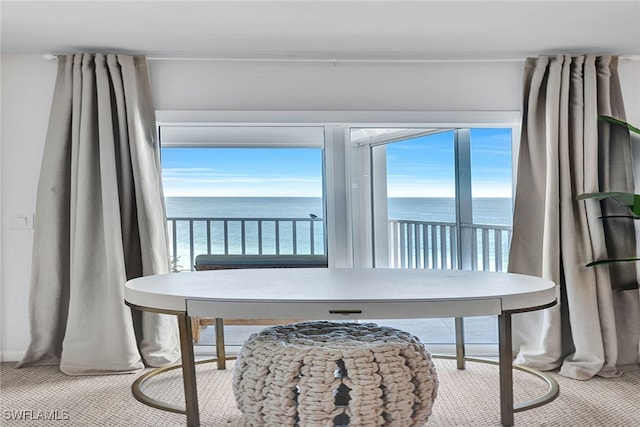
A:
(334, 374)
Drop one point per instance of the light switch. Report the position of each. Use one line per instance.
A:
(21, 221)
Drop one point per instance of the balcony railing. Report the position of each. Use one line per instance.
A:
(413, 244)
(418, 244)
(244, 236)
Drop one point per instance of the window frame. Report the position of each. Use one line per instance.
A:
(347, 187)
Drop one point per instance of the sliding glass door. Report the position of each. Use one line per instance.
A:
(440, 198)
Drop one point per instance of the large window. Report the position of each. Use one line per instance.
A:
(231, 193)
(393, 195)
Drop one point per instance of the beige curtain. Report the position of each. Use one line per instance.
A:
(565, 151)
(100, 221)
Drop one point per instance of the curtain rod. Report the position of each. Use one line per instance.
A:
(336, 61)
(333, 61)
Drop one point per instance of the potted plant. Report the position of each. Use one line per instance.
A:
(630, 200)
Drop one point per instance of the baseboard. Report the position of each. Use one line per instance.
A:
(11, 356)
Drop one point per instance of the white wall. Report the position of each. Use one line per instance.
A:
(346, 86)
(27, 87)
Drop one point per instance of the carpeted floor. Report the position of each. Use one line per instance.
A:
(465, 398)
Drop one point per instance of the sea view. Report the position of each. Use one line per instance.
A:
(486, 211)
(236, 229)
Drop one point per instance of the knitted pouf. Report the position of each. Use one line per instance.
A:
(334, 374)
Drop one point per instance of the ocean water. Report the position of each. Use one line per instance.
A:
(236, 237)
(244, 207)
(486, 211)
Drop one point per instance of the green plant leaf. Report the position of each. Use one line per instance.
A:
(630, 200)
(622, 197)
(619, 123)
(635, 209)
(611, 261)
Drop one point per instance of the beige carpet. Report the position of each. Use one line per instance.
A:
(466, 398)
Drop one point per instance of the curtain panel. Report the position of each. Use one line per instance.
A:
(100, 220)
(566, 151)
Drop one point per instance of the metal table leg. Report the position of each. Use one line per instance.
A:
(220, 351)
(460, 356)
(188, 371)
(505, 363)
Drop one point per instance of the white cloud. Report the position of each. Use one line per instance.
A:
(203, 182)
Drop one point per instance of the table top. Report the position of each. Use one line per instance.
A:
(338, 293)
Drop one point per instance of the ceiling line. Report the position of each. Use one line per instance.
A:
(336, 61)
(333, 61)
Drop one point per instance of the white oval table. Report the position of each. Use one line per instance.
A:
(330, 294)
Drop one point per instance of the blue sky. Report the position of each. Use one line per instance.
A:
(424, 167)
(247, 172)
(421, 167)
